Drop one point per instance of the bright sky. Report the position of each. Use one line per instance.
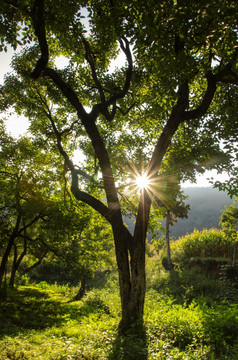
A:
(17, 125)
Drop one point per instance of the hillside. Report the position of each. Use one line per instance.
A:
(206, 205)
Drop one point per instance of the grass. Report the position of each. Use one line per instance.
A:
(181, 322)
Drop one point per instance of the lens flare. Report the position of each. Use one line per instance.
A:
(142, 181)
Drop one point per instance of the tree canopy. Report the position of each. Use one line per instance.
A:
(39, 220)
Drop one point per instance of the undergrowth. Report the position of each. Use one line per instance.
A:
(183, 320)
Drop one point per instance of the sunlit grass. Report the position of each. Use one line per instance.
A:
(41, 322)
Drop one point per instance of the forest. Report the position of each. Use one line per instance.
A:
(125, 102)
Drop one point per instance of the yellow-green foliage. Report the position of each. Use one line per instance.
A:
(206, 243)
(39, 322)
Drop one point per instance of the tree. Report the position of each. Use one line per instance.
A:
(229, 222)
(185, 57)
(78, 243)
(171, 206)
(24, 197)
(176, 210)
(39, 220)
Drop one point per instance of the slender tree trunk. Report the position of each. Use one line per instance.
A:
(5, 258)
(17, 262)
(81, 291)
(170, 265)
(13, 276)
(8, 251)
(14, 267)
(234, 253)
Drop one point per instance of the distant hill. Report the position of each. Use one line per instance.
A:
(206, 205)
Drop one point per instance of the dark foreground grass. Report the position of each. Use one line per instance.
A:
(40, 322)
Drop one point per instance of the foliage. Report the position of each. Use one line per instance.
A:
(206, 243)
(27, 176)
(40, 221)
(39, 321)
(229, 220)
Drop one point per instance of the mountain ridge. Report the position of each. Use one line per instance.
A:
(206, 205)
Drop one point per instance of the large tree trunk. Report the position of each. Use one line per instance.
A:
(130, 254)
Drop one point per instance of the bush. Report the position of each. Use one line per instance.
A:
(207, 243)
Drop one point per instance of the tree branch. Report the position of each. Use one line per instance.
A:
(225, 75)
(201, 110)
(37, 263)
(84, 174)
(124, 44)
(68, 130)
(37, 15)
(79, 195)
(36, 218)
(90, 200)
(164, 141)
(67, 91)
(90, 60)
(124, 113)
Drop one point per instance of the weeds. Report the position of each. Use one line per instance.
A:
(182, 321)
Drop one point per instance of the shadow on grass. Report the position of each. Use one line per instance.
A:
(37, 309)
(131, 345)
(187, 285)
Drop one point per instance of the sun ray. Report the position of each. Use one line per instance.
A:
(142, 181)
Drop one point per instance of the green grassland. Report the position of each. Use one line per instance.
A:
(188, 315)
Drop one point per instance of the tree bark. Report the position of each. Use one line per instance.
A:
(82, 289)
(16, 263)
(234, 254)
(8, 249)
(170, 265)
(131, 269)
(14, 267)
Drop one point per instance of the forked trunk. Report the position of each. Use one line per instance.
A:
(132, 280)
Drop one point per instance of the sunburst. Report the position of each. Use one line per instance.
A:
(142, 181)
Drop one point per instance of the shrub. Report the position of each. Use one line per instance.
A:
(206, 243)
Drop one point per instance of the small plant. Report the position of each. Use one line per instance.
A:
(95, 301)
(186, 317)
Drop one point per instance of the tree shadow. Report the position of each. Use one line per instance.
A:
(130, 345)
(36, 309)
